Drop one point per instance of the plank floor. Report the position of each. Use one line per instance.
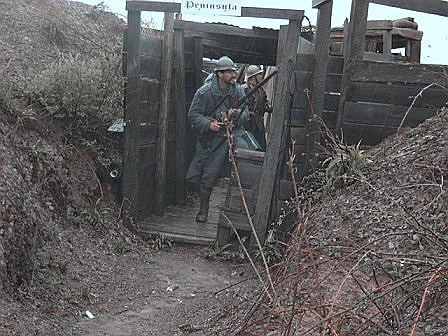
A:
(179, 223)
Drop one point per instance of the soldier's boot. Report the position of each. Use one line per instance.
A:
(204, 194)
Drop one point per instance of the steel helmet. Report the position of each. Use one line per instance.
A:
(225, 63)
(252, 70)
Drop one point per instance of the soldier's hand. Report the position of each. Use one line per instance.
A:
(232, 112)
(216, 125)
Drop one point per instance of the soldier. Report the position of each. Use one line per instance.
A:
(205, 118)
(258, 105)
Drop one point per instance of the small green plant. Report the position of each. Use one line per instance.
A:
(347, 164)
(273, 249)
(227, 252)
(120, 246)
(95, 212)
(160, 242)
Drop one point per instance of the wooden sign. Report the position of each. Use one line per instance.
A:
(212, 7)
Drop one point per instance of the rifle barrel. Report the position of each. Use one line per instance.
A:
(242, 100)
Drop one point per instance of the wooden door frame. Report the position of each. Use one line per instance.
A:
(131, 164)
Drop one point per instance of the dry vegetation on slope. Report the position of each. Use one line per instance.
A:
(371, 258)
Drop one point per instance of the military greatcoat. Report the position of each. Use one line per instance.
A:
(211, 147)
(258, 105)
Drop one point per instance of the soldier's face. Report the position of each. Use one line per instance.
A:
(227, 77)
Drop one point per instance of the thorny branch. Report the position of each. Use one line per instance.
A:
(228, 126)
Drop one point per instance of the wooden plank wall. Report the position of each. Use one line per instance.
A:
(150, 77)
(379, 94)
(300, 107)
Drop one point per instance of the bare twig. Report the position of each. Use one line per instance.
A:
(247, 254)
(414, 327)
(228, 125)
(415, 99)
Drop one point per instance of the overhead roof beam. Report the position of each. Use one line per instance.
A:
(175, 7)
(216, 28)
(437, 7)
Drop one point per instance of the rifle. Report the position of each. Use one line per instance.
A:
(241, 73)
(242, 101)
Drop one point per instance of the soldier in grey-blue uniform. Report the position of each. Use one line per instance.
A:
(205, 118)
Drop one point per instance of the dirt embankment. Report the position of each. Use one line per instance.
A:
(371, 258)
(63, 249)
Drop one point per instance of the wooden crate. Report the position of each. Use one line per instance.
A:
(249, 165)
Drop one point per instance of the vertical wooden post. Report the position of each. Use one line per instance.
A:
(162, 137)
(415, 51)
(387, 42)
(322, 56)
(358, 23)
(181, 113)
(273, 160)
(356, 41)
(198, 55)
(131, 116)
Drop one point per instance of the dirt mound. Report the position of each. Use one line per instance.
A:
(34, 33)
(371, 258)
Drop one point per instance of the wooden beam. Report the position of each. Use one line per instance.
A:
(181, 114)
(175, 7)
(322, 57)
(318, 3)
(361, 71)
(274, 158)
(358, 28)
(437, 7)
(131, 116)
(272, 13)
(162, 138)
(354, 46)
(221, 29)
(153, 6)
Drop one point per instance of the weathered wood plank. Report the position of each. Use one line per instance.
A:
(358, 23)
(387, 115)
(401, 95)
(277, 135)
(331, 101)
(437, 7)
(221, 29)
(333, 83)
(250, 173)
(167, 56)
(354, 44)
(149, 133)
(369, 135)
(299, 118)
(236, 203)
(181, 114)
(180, 225)
(153, 6)
(146, 174)
(272, 13)
(319, 3)
(306, 63)
(131, 117)
(377, 57)
(391, 72)
(198, 56)
(151, 66)
(239, 221)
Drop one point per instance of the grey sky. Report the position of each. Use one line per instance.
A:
(435, 28)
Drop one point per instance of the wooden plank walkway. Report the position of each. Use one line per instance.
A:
(179, 223)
